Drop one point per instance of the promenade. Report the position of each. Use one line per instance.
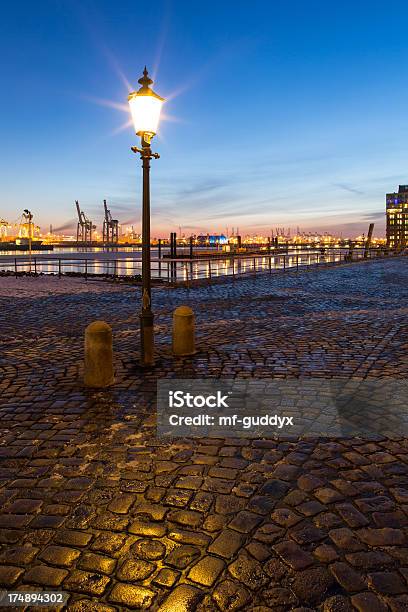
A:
(94, 505)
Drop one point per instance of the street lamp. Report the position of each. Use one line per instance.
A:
(28, 215)
(145, 107)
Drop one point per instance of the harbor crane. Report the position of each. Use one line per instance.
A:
(84, 226)
(110, 227)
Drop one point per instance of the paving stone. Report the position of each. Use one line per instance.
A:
(189, 537)
(185, 517)
(166, 578)
(308, 533)
(387, 582)
(122, 503)
(380, 503)
(337, 603)
(228, 504)
(134, 597)
(135, 570)
(294, 555)
(177, 497)
(96, 563)
(90, 583)
(227, 544)
(311, 585)
(268, 533)
(278, 596)
(182, 556)
(189, 482)
(9, 575)
(18, 555)
(44, 575)
(149, 549)
(14, 521)
(347, 577)
(218, 485)
(206, 571)
(275, 489)
(24, 506)
(351, 515)
(214, 522)
(369, 560)
(400, 494)
(389, 519)
(308, 482)
(244, 522)
(202, 501)
(230, 595)
(87, 605)
(59, 555)
(276, 570)
(259, 551)
(73, 538)
(382, 537)
(43, 521)
(346, 539)
(311, 508)
(368, 602)
(147, 528)
(326, 495)
(285, 517)
(397, 604)
(108, 543)
(184, 598)
(248, 571)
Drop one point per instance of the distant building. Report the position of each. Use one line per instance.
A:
(212, 239)
(397, 217)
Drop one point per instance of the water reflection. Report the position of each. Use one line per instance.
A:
(127, 262)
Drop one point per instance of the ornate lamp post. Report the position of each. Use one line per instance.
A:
(145, 107)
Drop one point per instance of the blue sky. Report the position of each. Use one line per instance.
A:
(280, 113)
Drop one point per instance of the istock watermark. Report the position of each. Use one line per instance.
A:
(280, 408)
(179, 399)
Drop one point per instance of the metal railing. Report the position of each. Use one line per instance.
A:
(181, 270)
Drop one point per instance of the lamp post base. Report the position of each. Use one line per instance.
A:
(146, 339)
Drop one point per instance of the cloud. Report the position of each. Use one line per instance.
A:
(71, 224)
(348, 188)
(373, 216)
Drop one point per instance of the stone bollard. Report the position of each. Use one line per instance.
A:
(98, 370)
(183, 331)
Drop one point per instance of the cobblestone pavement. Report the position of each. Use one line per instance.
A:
(95, 505)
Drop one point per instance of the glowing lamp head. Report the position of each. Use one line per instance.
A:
(145, 107)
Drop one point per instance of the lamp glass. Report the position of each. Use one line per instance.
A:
(145, 110)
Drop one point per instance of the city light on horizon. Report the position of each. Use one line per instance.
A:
(324, 164)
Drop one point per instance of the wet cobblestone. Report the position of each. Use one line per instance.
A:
(94, 504)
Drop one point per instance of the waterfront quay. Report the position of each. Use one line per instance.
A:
(123, 264)
(93, 504)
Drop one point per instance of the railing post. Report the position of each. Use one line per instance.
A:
(233, 268)
(284, 263)
(86, 269)
(35, 266)
(15, 266)
(270, 264)
(209, 269)
(254, 265)
(297, 262)
(59, 268)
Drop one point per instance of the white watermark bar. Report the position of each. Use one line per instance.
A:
(267, 408)
(41, 599)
